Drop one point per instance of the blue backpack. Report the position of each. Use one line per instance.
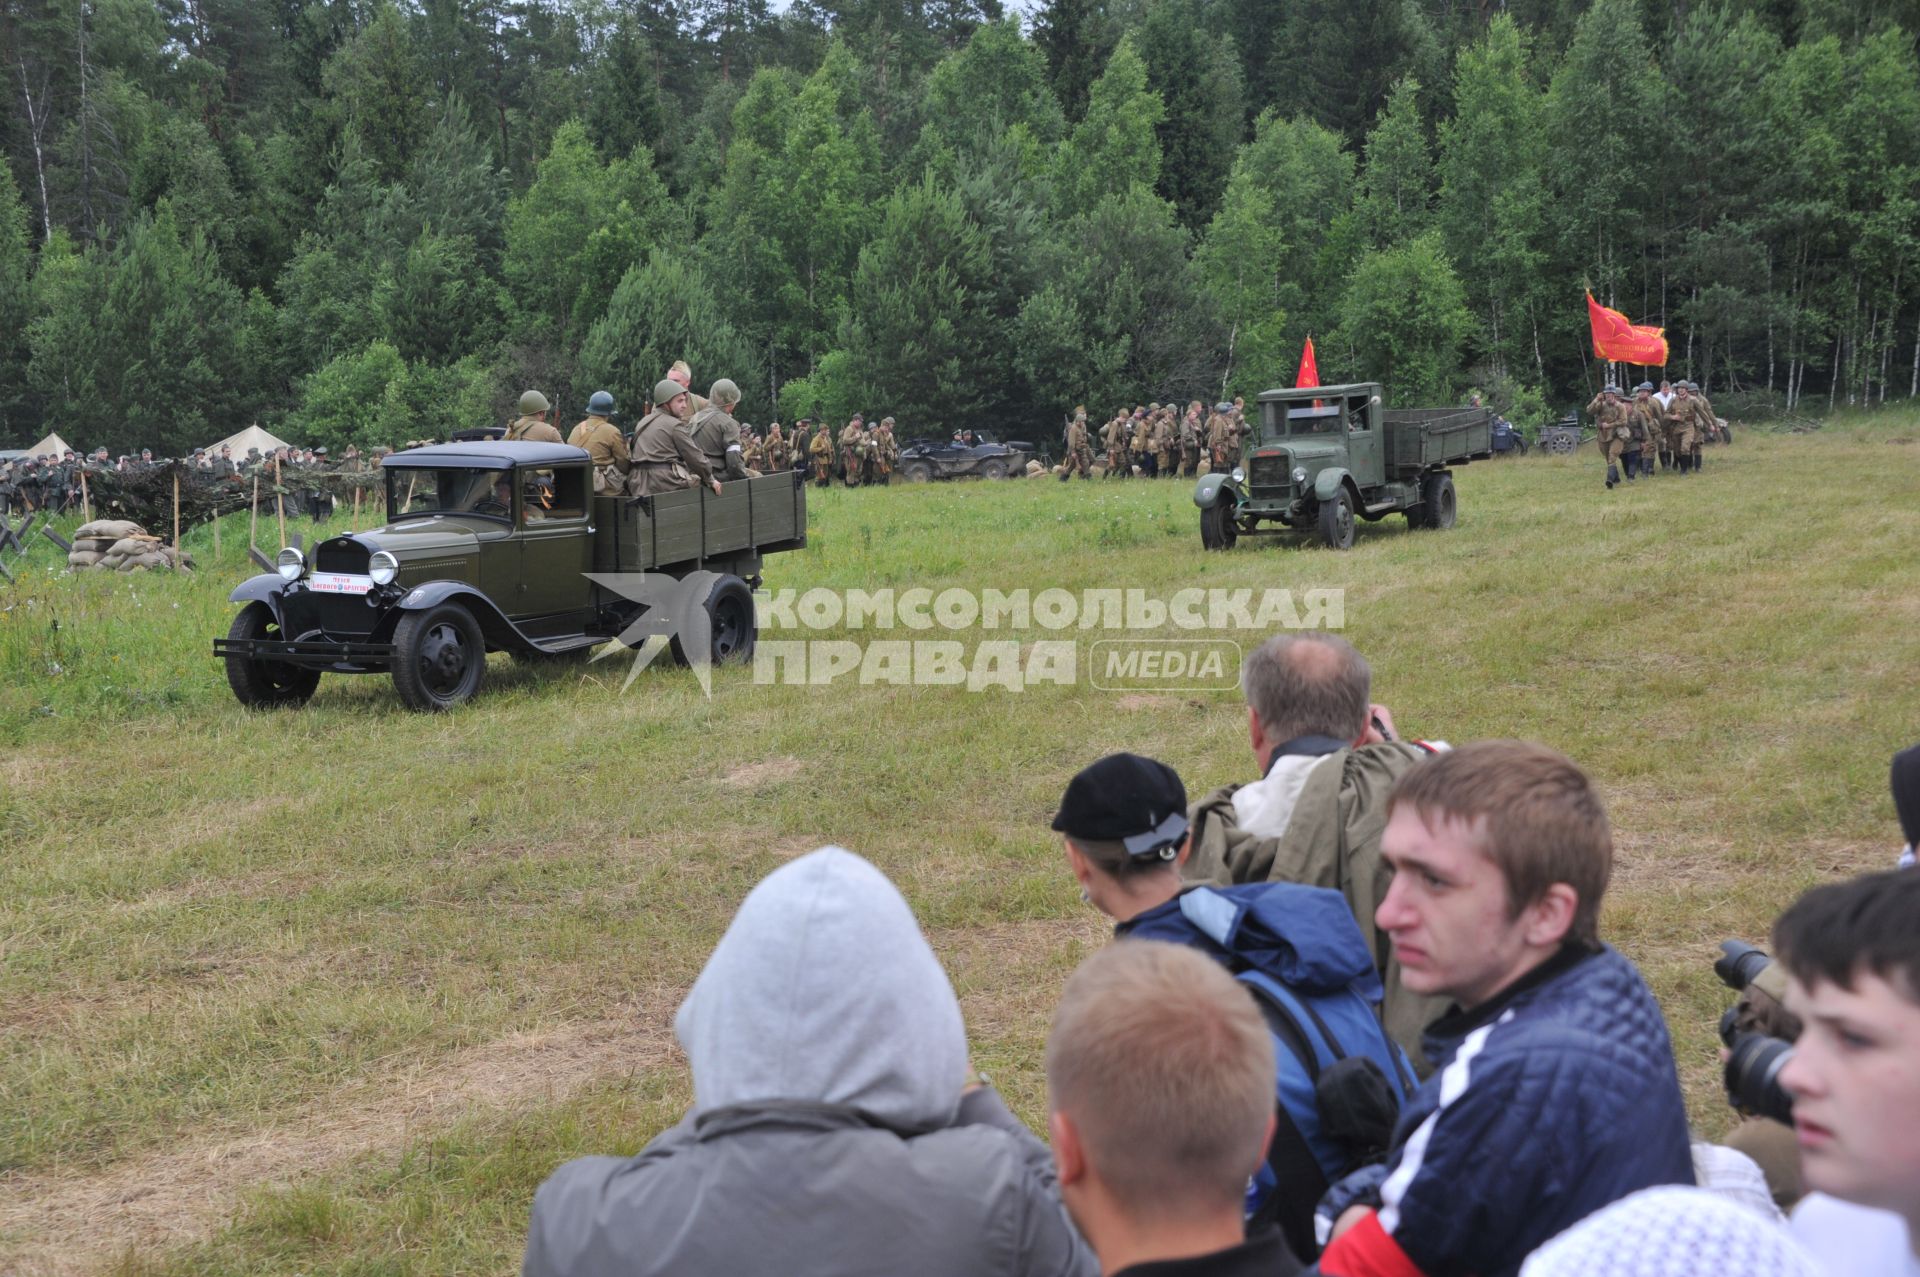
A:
(1340, 1080)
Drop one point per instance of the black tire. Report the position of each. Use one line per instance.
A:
(1336, 521)
(439, 658)
(732, 625)
(916, 472)
(1218, 531)
(1437, 498)
(993, 469)
(265, 684)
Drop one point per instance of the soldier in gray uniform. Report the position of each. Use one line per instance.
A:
(717, 434)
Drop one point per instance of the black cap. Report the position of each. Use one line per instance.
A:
(1124, 798)
(1906, 793)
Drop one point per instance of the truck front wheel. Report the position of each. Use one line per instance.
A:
(265, 684)
(439, 658)
(1217, 528)
(1436, 497)
(1336, 521)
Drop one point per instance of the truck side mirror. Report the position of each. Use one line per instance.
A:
(1376, 401)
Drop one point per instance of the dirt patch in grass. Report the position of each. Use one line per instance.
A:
(768, 771)
(53, 1225)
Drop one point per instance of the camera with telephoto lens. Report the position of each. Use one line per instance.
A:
(1754, 1060)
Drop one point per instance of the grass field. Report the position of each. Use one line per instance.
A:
(332, 991)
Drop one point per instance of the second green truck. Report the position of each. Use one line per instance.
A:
(1326, 457)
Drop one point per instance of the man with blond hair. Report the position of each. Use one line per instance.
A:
(682, 375)
(1160, 1105)
(1556, 1094)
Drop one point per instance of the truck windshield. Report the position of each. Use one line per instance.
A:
(1312, 418)
(416, 492)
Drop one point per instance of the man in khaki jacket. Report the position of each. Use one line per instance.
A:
(533, 426)
(664, 456)
(604, 444)
(1328, 758)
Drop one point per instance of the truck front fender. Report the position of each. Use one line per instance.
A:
(265, 588)
(501, 633)
(1330, 481)
(1209, 491)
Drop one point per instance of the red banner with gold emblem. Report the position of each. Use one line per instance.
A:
(1617, 338)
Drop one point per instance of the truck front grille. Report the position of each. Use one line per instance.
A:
(341, 554)
(1268, 475)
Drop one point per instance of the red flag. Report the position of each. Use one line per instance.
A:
(1309, 371)
(1615, 337)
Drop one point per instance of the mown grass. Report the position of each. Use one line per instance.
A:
(215, 921)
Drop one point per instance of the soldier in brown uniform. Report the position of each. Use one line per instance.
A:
(717, 434)
(1643, 419)
(1705, 424)
(664, 456)
(1192, 438)
(604, 444)
(1680, 427)
(1223, 438)
(885, 453)
(820, 451)
(1114, 439)
(775, 448)
(853, 452)
(532, 425)
(1610, 415)
(1079, 450)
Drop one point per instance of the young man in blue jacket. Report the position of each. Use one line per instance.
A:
(1555, 1093)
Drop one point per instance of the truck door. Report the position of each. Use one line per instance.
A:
(555, 549)
(1363, 442)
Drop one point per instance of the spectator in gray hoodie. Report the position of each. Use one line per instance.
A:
(833, 1129)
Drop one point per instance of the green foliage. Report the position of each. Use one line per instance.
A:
(830, 394)
(1335, 61)
(1196, 74)
(1077, 38)
(1115, 147)
(139, 344)
(1405, 319)
(1396, 184)
(663, 310)
(374, 397)
(377, 85)
(16, 310)
(997, 81)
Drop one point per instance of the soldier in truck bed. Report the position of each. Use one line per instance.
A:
(665, 458)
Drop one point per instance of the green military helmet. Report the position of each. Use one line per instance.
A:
(665, 391)
(600, 404)
(533, 401)
(1645, 385)
(1608, 389)
(1223, 407)
(724, 391)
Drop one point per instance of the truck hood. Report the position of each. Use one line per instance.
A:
(440, 534)
(1311, 451)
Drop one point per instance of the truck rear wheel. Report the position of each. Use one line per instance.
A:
(1336, 521)
(732, 629)
(439, 658)
(265, 684)
(1437, 499)
(1217, 528)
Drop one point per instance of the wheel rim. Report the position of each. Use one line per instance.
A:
(1343, 521)
(444, 660)
(1446, 506)
(729, 629)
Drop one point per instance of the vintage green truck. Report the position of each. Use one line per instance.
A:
(1328, 456)
(496, 546)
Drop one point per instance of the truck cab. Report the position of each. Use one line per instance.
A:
(1325, 456)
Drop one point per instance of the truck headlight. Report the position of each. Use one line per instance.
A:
(383, 567)
(1300, 475)
(291, 564)
(1239, 475)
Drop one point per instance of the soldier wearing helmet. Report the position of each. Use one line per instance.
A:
(1222, 437)
(717, 434)
(1643, 418)
(1705, 425)
(1681, 426)
(1610, 414)
(604, 444)
(533, 426)
(663, 454)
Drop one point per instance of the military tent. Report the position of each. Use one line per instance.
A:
(251, 437)
(51, 446)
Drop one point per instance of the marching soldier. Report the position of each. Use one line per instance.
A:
(776, 448)
(853, 452)
(664, 456)
(1115, 439)
(1223, 438)
(800, 455)
(604, 444)
(532, 425)
(1079, 451)
(1643, 418)
(1680, 426)
(1610, 414)
(820, 451)
(1705, 424)
(885, 453)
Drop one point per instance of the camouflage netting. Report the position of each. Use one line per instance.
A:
(121, 545)
(146, 496)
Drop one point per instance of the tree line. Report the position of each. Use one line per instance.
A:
(367, 221)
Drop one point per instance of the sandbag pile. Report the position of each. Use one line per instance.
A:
(121, 545)
(1035, 469)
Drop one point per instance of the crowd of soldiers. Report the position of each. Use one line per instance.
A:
(1667, 425)
(685, 440)
(1158, 440)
